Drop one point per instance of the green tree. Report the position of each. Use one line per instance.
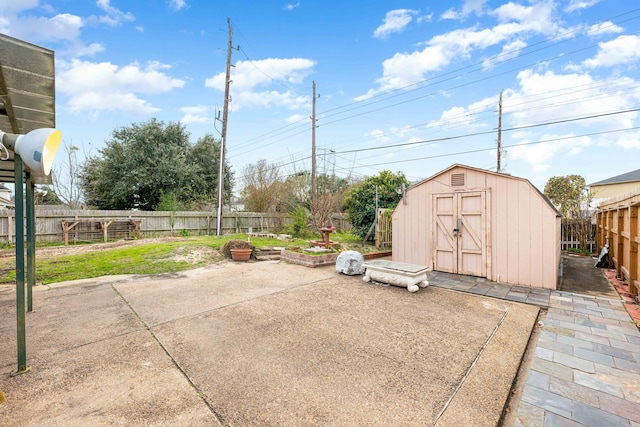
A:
(569, 194)
(297, 191)
(204, 156)
(46, 195)
(360, 202)
(572, 198)
(145, 160)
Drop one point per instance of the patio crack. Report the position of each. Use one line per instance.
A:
(199, 392)
(473, 364)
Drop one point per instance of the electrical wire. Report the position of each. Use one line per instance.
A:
(297, 126)
(473, 67)
(505, 146)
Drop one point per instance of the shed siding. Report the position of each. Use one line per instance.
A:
(500, 212)
(522, 229)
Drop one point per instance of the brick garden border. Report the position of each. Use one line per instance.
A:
(321, 260)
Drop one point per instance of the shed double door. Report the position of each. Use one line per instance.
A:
(459, 233)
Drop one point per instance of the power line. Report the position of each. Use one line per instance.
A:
(448, 138)
(477, 66)
(286, 130)
(446, 89)
(507, 146)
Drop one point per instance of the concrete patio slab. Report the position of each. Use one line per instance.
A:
(260, 344)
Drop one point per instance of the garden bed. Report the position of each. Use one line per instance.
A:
(320, 260)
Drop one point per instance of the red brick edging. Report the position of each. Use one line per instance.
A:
(308, 260)
(623, 290)
(321, 260)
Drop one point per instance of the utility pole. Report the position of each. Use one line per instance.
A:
(499, 166)
(313, 146)
(223, 141)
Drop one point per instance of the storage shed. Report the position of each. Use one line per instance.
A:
(475, 222)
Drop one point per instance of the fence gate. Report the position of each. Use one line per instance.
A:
(383, 235)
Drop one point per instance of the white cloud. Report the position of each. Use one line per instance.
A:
(425, 18)
(198, 114)
(622, 50)
(629, 140)
(450, 117)
(251, 81)
(395, 21)
(79, 50)
(548, 97)
(539, 17)
(12, 7)
(95, 87)
(177, 4)
(580, 4)
(469, 7)
(114, 16)
(539, 155)
(295, 118)
(464, 117)
(451, 14)
(290, 6)
(510, 51)
(413, 140)
(368, 95)
(378, 136)
(604, 28)
(516, 22)
(269, 99)
(544, 97)
(62, 27)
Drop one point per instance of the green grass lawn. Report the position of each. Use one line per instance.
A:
(149, 258)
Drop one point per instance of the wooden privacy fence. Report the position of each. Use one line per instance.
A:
(617, 225)
(53, 225)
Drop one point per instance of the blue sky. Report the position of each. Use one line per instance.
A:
(409, 86)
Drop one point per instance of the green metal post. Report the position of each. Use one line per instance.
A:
(31, 241)
(20, 303)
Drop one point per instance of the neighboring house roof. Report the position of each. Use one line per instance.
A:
(5, 197)
(632, 176)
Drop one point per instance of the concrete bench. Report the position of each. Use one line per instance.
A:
(411, 276)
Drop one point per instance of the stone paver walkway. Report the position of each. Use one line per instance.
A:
(586, 366)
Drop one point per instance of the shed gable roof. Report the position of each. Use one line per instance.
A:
(488, 172)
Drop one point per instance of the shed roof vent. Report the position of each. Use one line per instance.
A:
(457, 179)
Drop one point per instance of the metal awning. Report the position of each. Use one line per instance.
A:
(27, 94)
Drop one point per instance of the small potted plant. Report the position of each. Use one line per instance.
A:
(238, 250)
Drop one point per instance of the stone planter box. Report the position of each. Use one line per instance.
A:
(321, 260)
(308, 260)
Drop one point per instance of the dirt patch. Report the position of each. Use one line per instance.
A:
(195, 254)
